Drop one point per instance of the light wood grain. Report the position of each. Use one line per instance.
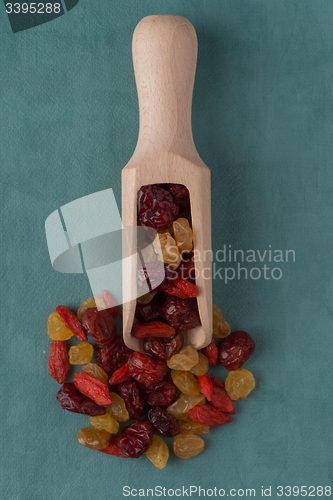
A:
(164, 57)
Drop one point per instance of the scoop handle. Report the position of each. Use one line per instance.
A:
(164, 56)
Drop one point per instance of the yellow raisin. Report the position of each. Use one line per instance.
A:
(183, 234)
(96, 371)
(189, 427)
(105, 423)
(158, 453)
(239, 384)
(80, 354)
(185, 381)
(183, 404)
(117, 409)
(56, 330)
(93, 438)
(185, 359)
(221, 329)
(201, 367)
(187, 445)
(170, 252)
(87, 304)
(145, 299)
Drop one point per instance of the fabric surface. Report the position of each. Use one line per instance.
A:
(263, 123)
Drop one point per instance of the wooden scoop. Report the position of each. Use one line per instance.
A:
(164, 57)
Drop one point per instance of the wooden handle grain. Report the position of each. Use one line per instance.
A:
(164, 57)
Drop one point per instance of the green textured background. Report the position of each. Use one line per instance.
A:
(263, 123)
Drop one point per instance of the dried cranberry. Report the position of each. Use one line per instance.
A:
(178, 191)
(156, 207)
(179, 314)
(130, 392)
(165, 423)
(235, 350)
(100, 325)
(161, 394)
(164, 347)
(154, 276)
(113, 356)
(71, 399)
(186, 268)
(145, 369)
(136, 438)
(150, 311)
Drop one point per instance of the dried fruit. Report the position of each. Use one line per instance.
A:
(179, 314)
(212, 353)
(184, 403)
(93, 438)
(93, 388)
(188, 445)
(105, 423)
(112, 449)
(161, 393)
(100, 325)
(170, 252)
(145, 369)
(71, 399)
(163, 348)
(186, 287)
(96, 371)
(150, 311)
(110, 303)
(154, 276)
(183, 234)
(152, 329)
(220, 399)
(71, 322)
(117, 409)
(239, 384)
(58, 361)
(113, 356)
(186, 269)
(185, 359)
(80, 354)
(201, 367)
(221, 329)
(156, 207)
(207, 415)
(205, 385)
(120, 375)
(87, 304)
(235, 350)
(56, 330)
(136, 439)
(178, 191)
(158, 453)
(164, 422)
(130, 392)
(145, 299)
(185, 381)
(187, 426)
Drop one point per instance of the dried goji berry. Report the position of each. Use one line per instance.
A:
(58, 361)
(186, 287)
(235, 350)
(93, 388)
(113, 356)
(136, 438)
(220, 399)
(71, 321)
(152, 329)
(212, 353)
(120, 375)
(207, 415)
(145, 369)
(130, 392)
(205, 385)
(100, 325)
(71, 399)
(110, 303)
(112, 449)
(173, 290)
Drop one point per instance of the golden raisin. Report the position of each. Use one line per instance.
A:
(221, 329)
(185, 359)
(185, 381)
(187, 445)
(56, 330)
(104, 423)
(184, 403)
(145, 299)
(117, 409)
(93, 438)
(96, 371)
(187, 426)
(170, 252)
(201, 367)
(183, 234)
(80, 354)
(239, 384)
(158, 453)
(90, 303)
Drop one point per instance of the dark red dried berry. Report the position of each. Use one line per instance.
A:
(136, 438)
(145, 369)
(165, 347)
(235, 350)
(178, 191)
(179, 314)
(113, 356)
(130, 392)
(154, 276)
(100, 325)
(150, 311)
(71, 399)
(161, 394)
(165, 423)
(156, 207)
(186, 268)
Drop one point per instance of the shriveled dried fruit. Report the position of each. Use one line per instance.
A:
(201, 367)
(100, 325)
(156, 207)
(147, 298)
(152, 329)
(71, 322)
(179, 314)
(136, 439)
(185, 286)
(163, 348)
(80, 354)
(187, 426)
(120, 375)
(183, 404)
(130, 392)
(113, 356)
(93, 388)
(221, 329)
(185, 381)
(93, 438)
(179, 192)
(220, 399)
(186, 269)
(56, 330)
(188, 445)
(239, 384)
(145, 369)
(185, 359)
(118, 409)
(110, 303)
(71, 399)
(207, 415)
(212, 353)
(112, 449)
(58, 361)
(105, 423)
(158, 453)
(149, 311)
(164, 422)
(154, 276)
(170, 252)
(205, 385)
(89, 303)
(96, 371)
(161, 393)
(183, 234)
(235, 350)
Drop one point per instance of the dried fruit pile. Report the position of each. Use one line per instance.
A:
(169, 381)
